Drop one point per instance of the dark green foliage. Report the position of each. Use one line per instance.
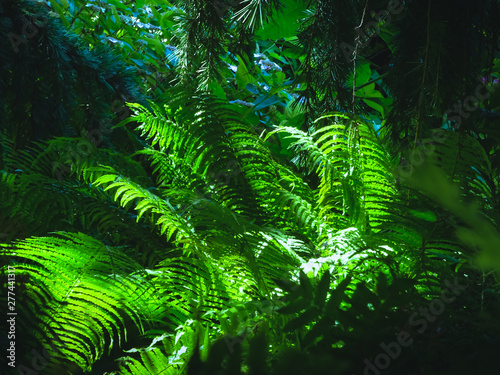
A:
(340, 330)
(251, 216)
(455, 42)
(328, 60)
(50, 84)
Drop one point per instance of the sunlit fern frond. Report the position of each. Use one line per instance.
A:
(130, 194)
(223, 159)
(52, 191)
(82, 298)
(170, 172)
(150, 361)
(356, 184)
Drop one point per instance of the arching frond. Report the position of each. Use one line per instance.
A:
(81, 296)
(356, 181)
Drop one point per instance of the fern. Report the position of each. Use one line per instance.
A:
(354, 170)
(85, 295)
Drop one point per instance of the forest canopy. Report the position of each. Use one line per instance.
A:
(249, 187)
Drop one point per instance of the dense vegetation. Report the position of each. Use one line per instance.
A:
(250, 187)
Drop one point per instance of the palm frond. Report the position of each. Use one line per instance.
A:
(254, 13)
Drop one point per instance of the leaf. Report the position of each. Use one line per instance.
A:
(243, 77)
(379, 104)
(363, 74)
(85, 309)
(263, 101)
(285, 23)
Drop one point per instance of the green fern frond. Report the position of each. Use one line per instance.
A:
(131, 194)
(219, 149)
(353, 167)
(85, 295)
(152, 361)
(191, 287)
